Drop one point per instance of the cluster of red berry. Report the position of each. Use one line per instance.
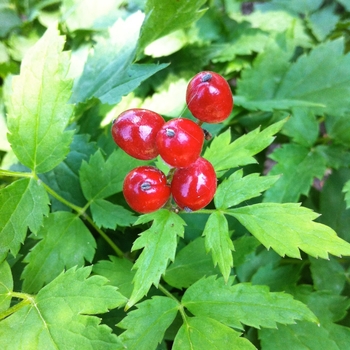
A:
(143, 134)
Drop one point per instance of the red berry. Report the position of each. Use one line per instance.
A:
(180, 142)
(194, 187)
(209, 97)
(145, 189)
(135, 131)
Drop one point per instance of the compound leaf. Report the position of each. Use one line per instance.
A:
(225, 155)
(299, 166)
(243, 303)
(25, 198)
(64, 242)
(218, 241)
(204, 333)
(288, 227)
(159, 244)
(38, 108)
(164, 18)
(237, 189)
(60, 316)
(145, 326)
(102, 178)
(109, 72)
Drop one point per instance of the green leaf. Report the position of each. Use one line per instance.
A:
(6, 285)
(102, 178)
(225, 155)
(109, 72)
(38, 108)
(218, 241)
(237, 189)
(244, 246)
(64, 242)
(337, 126)
(118, 272)
(204, 333)
(191, 264)
(164, 18)
(243, 303)
(25, 198)
(145, 326)
(346, 190)
(60, 316)
(298, 166)
(318, 80)
(159, 243)
(9, 19)
(289, 227)
(323, 22)
(302, 127)
(109, 215)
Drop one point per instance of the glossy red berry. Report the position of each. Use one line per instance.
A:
(180, 142)
(209, 97)
(194, 187)
(145, 189)
(135, 131)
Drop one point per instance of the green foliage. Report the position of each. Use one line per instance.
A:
(80, 270)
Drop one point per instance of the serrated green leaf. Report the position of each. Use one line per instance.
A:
(336, 156)
(145, 326)
(237, 189)
(244, 246)
(243, 303)
(319, 80)
(100, 178)
(60, 316)
(64, 242)
(159, 244)
(38, 108)
(219, 243)
(299, 166)
(302, 127)
(118, 272)
(225, 155)
(337, 126)
(323, 22)
(191, 264)
(109, 72)
(164, 18)
(346, 190)
(6, 285)
(25, 198)
(109, 215)
(288, 227)
(204, 333)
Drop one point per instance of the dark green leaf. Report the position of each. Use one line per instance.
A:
(338, 126)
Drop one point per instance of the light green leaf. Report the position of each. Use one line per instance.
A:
(159, 244)
(237, 189)
(346, 190)
(302, 127)
(218, 241)
(164, 18)
(64, 242)
(299, 166)
(204, 333)
(225, 155)
(118, 272)
(89, 14)
(102, 178)
(38, 108)
(145, 326)
(243, 303)
(288, 227)
(6, 285)
(191, 264)
(109, 215)
(109, 72)
(23, 204)
(319, 80)
(60, 316)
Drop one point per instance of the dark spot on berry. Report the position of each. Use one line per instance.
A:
(145, 186)
(206, 77)
(170, 132)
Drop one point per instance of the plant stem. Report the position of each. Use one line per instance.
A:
(26, 299)
(15, 173)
